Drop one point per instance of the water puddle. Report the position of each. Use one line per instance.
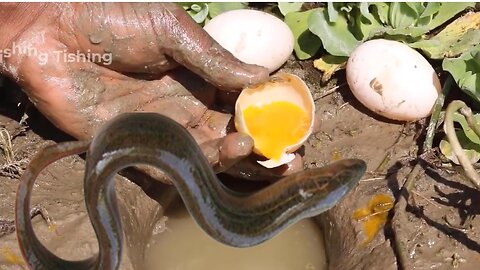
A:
(184, 246)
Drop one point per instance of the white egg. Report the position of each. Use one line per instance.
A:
(254, 37)
(393, 80)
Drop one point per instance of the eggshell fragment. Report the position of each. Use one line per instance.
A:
(254, 37)
(281, 87)
(393, 80)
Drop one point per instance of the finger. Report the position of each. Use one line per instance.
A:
(139, 37)
(222, 153)
(188, 44)
(235, 147)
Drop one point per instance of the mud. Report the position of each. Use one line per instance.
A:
(347, 130)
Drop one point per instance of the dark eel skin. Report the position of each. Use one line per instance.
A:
(239, 220)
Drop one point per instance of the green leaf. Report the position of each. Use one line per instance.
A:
(446, 11)
(468, 139)
(458, 37)
(364, 10)
(472, 151)
(332, 12)
(466, 72)
(470, 134)
(401, 15)
(365, 23)
(336, 38)
(197, 10)
(381, 10)
(306, 43)
(430, 9)
(216, 8)
(287, 7)
(417, 7)
(410, 34)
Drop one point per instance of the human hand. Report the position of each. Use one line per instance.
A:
(133, 47)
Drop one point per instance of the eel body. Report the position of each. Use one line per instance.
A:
(235, 219)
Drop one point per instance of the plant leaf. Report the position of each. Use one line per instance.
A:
(332, 12)
(446, 11)
(364, 10)
(306, 43)
(401, 15)
(468, 139)
(329, 64)
(417, 7)
(472, 151)
(198, 12)
(287, 7)
(471, 135)
(456, 38)
(381, 11)
(430, 9)
(195, 7)
(365, 21)
(216, 8)
(466, 72)
(409, 34)
(336, 38)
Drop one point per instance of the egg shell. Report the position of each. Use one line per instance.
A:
(254, 37)
(281, 87)
(393, 80)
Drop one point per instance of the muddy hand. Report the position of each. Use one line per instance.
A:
(234, 219)
(126, 42)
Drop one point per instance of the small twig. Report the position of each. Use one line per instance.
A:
(372, 179)
(426, 199)
(453, 140)
(381, 167)
(11, 167)
(330, 91)
(6, 145)
(374, 214)
(342, 106)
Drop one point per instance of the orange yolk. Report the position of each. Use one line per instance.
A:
(275, 126)
(374, 216)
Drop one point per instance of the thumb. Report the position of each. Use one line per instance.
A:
(223, 153)
(191, 46)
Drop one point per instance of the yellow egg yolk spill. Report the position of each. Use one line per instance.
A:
(275, 126)
(374, 215)
(10, 257)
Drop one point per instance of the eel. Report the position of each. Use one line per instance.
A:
(235, 219)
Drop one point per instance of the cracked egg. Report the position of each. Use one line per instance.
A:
(278, 115)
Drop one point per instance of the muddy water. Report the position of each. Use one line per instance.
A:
(182, 245)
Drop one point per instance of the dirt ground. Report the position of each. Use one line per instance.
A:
(430, 228)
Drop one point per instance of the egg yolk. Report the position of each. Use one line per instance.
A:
(275, 126)
(374, 216)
